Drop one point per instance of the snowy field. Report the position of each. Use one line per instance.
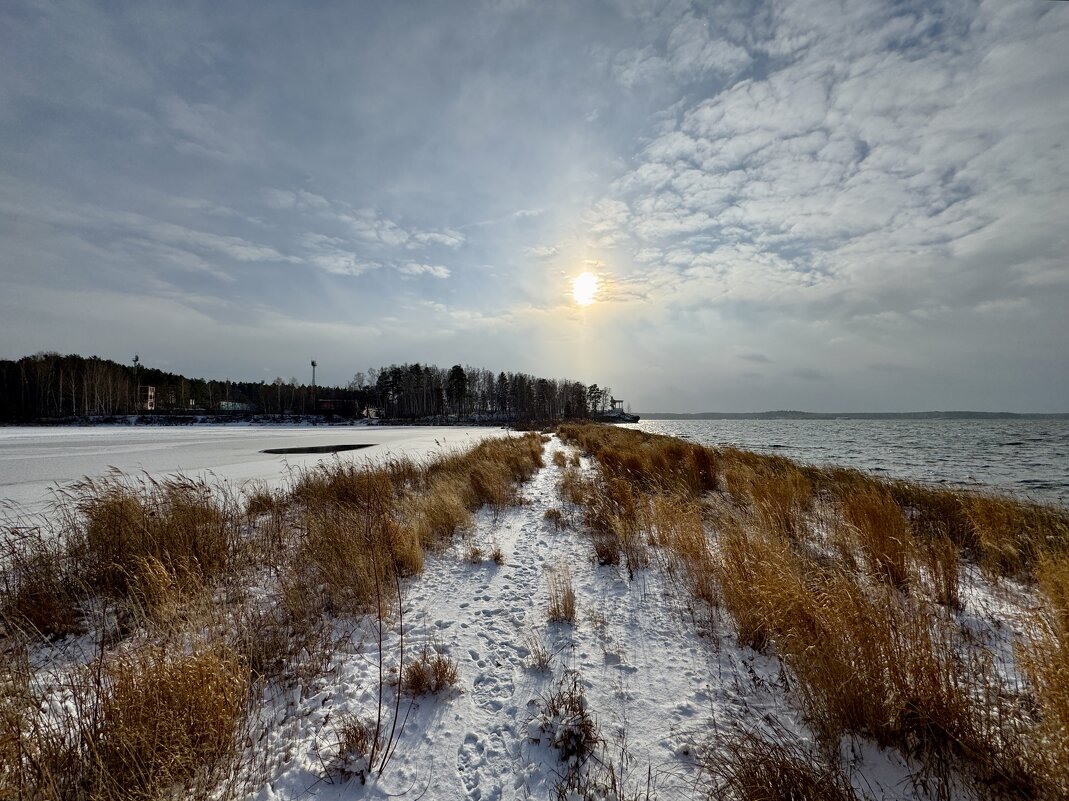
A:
(35, 460)
(661, 679)
(661, 676)
(652, 683)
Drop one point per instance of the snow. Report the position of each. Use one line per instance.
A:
(660, 677)
(35, 460)
(646, 672)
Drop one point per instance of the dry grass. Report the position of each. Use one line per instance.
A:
(166, 564)
(779, 492)
(561, 596)
(647, 486)
(280, 643)
(151, 545)
(871, 661)
(675, 523)
(1013, 537)
(138, 726)
(1045, 657)
(166, 719)
(430, 673)
(181, 526)
(1007, 537)
(348, 555)
(556, 517)
(825, 569)
(747, 766)
(40, 591)
(882, 534)
(363, 528)
(568, 723)
(560, 459)
(539, 658)
(573, 487)
(259, 500)
(358, 742)
(761, 585)
(647, 460)
(942, 560)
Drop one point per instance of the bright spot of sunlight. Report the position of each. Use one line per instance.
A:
(584, 288)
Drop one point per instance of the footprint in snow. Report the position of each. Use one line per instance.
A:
(482, 767)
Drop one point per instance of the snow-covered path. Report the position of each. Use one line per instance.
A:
(645, 672)
(658, 689)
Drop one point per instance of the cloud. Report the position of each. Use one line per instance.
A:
(433, 270)
(809, 374)
(333, 255)
(446, 237)
(542, 251)
(295, 199)
(373, 228)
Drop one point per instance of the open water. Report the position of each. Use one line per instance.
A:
(1024, 458)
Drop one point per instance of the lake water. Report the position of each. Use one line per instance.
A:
(1026, 458)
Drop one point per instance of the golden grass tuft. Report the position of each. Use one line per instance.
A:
(620, 504)
(747, 766)
(942, 560)
(165, 720)
(40, 591)
(1013, 537)
(148, 724)
(675, 523)
(882, 533)
(1045, 658)
(430, 673)
(353, 553)
(573, 487)
(561, 596)
(436, 515)
(874, 662)
(779, 492)
(358, 741)
(178, 525)
(761, 586)
(556, 517)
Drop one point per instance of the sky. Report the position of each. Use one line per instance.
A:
(795, 204)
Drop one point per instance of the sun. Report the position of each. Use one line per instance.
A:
(584, 288)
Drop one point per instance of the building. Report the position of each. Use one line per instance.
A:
(146, 399)
(234, 406)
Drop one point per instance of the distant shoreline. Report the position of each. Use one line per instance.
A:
(792, 415)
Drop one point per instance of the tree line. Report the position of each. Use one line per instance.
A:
(50, 386)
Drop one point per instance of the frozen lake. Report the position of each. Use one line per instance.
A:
(35, 460)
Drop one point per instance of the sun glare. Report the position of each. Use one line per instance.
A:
(584, 288)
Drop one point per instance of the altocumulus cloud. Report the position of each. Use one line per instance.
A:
(813, 190)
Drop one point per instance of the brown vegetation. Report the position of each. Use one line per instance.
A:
(138, 725)
(430, 673)
(748, 766)
(561, 596)
(158, 571)
(852, 582)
